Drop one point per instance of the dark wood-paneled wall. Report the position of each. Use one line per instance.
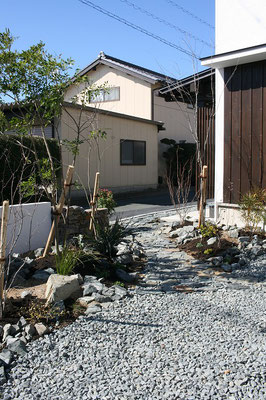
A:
(244, 129)
(206, 135)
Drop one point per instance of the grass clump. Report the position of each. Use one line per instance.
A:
(66, 260)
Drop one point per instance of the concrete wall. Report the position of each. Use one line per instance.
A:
(104, 154)
(229, 214)
(28, 226)
(176, 118)
(135, 94)
(239, 24)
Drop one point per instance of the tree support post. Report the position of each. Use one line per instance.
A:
(203, 184)
(94, 200)
(59, 208)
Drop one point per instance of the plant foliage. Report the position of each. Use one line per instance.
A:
(66, 260)
(208, 230)
(252, 207)
(106, 200)
(20, 172)
(108, 237)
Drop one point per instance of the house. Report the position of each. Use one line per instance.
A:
(134, 115)
(240, 125)
(135, 91)
(127, 157)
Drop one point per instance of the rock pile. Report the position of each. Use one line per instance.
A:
(96, 295)
(14, 338)
(233, 258)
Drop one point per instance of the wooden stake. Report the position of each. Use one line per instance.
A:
(94, 200)
(59, 208)
(203, 195)
(3, 252)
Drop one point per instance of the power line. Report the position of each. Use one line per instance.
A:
(174, 4)
(138, 28)
(163, 21)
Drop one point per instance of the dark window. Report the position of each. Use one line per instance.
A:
(132, 152)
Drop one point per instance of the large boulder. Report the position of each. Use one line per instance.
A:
(61, 287)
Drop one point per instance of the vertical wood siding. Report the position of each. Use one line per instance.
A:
(206, 133)
(244, 129)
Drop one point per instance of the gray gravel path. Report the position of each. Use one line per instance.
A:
(208, 344)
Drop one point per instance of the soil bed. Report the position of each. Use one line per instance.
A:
(223, 243)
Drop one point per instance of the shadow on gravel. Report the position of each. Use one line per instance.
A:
(115, 322)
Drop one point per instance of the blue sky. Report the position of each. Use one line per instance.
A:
(75, 30)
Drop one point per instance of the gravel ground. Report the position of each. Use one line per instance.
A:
(207, 344)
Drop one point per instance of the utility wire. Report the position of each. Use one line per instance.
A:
(174, 4)
(138, 28)
(163, 21)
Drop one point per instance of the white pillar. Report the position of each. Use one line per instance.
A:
(219, 138)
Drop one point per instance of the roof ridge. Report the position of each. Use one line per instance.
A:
(164, 76)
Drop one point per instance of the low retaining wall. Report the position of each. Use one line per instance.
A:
(78, 221)
(229, 214)
(28, 226)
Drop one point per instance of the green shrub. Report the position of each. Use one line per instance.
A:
(207, 252)
(208, 230)
(106, 200)
(118, 283)
(18, 164)
(66, 260)
(107, 237)
(252, 207)
(183, 152)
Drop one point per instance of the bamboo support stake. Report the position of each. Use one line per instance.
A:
(3, 251)
(203, 195)
(59, 207)
(94, 199)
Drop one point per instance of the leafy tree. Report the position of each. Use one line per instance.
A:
(33, 83)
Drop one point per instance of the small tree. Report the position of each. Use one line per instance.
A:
(33, 83)
(190, 94)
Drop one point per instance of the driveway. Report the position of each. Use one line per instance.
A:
(133, 204)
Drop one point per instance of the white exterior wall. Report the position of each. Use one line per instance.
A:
(239, 24)
(28, 226)
(219, 138)
(176, 118)
(135, 94)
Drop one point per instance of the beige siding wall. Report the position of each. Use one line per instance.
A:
(176, 117)
(135, 94)
(105, 155)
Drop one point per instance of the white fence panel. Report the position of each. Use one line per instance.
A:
(28, 226)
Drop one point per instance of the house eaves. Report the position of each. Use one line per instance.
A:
(115, 114)
(236, 57)
(128, 68)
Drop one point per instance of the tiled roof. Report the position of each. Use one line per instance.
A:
(130, 68)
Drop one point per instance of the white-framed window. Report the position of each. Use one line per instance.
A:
(110, 94)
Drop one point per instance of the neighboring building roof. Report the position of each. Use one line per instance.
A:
(184, 89)
(187, 81)
(131, 69)
(115, 114)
